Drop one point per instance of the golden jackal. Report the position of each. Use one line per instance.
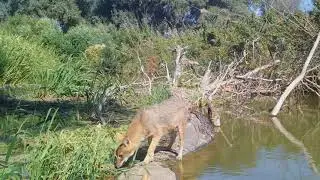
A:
(153, 123)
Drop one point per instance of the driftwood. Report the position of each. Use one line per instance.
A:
(210, 86)
(297, 80)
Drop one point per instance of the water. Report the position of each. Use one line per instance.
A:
(259, 150)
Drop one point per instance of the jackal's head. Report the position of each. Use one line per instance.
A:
(124, 151)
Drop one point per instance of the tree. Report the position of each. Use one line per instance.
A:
(66, 12)
(3, 10)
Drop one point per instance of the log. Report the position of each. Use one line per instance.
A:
(297, 80)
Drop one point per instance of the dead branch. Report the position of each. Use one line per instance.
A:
(145, 74)
(211, 88)
(255, 71)
(314, 68)
(311, 89)
(168, 73)
(313, 83)
(178, 62)
(296, 81)
(258, 79)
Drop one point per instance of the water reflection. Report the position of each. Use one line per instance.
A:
(258, 151)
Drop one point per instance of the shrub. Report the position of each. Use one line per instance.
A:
(77, 39)
(29, 27)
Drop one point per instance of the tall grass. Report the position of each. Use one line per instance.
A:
(50, 149)
(28, 63)
(24, 61)
(72, 154)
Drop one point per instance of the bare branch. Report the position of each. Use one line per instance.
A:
(258, 79)
(178, 62)
(168, 73)
(145, 74)
(314, 68)
(308, 87)
(296, 81)
(255, 71)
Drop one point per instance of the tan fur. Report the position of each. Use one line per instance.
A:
(152, 123)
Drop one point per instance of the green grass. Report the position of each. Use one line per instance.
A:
(33, 66)
(71, 154)
(23, 61)
(54, 147)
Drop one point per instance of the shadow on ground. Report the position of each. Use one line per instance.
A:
(35, 115)
(12, 106)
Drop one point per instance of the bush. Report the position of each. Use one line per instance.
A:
(29, 27)
(77, 39)
(158, 94)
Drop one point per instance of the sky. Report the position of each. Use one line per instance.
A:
(306, 5)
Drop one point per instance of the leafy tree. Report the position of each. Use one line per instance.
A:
(66, 12)
(3, 10)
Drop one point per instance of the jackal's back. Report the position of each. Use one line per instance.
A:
(166, 115)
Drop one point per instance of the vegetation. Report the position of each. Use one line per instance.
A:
(60, 60)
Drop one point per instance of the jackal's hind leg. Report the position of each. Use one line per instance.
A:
(149, 140)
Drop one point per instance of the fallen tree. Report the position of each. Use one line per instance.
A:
(297, 80)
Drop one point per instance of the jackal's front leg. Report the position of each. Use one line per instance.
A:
(181, 129)
(152, 147)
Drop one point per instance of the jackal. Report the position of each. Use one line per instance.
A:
(153, 123)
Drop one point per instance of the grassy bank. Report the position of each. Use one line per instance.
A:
(54, 139)
(76, 152)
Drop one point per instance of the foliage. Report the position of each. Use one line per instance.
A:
(76, 40)
(28, 27)
(65, 12)
(158, 94)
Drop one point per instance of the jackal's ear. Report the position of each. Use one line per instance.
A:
(120, 137)
(126, 142)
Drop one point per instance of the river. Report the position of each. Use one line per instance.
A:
(247, 149)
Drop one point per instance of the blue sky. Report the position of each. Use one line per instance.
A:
(306, 5)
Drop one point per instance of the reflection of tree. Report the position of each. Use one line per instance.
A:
(248, 138)
(306, 126)
(295, 141)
